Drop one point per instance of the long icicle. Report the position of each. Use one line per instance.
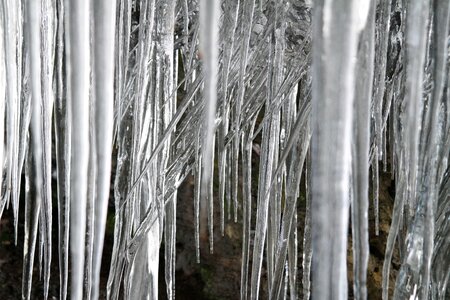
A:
(34, 173)
(104, 32)
(48, 59)
(209, 29)
(77, 68)
(335, 44)
(62, 150)
(360, 154)
(2, 100)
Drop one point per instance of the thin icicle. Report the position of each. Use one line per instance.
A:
(47, 56)
(307, 235)
(90, 202)
(247, 207)
(375, 193)
(360, 154)
(62, 149)
(32, 210)
(2, 103)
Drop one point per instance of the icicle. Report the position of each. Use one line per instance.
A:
(209, 28)
(62, 149)
(170, 229)
(247, 206)
(47, 56)
(34, 173)
(293, 258)
(2, 103)
(262, 207)
(229, 26)
(78, 93)
(307, 235)
(197, 214)
(90, 203)
(268, 205)
(417, 20)
(12, 43)
(294, 177)
(32, 210)
(170, 245)
(360, 156)
(375, 192)
(123, 122)
(275, 73)
(245, 32)
(414, 276)
(104, 32)
(400, 176)
(333, 82)
(380, 72)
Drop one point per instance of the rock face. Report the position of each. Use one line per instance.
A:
(218, 274)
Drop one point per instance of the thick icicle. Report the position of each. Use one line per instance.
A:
(104, 32)
(77, 72)
(34, 172)
(209, 29)
(335, 43)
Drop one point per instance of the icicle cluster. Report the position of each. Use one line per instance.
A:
(207, 88)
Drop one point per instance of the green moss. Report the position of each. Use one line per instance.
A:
(110, 224)
(207, 275)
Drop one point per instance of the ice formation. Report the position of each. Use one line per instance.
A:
(332, 90)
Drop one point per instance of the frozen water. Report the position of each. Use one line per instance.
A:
(291, 99)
